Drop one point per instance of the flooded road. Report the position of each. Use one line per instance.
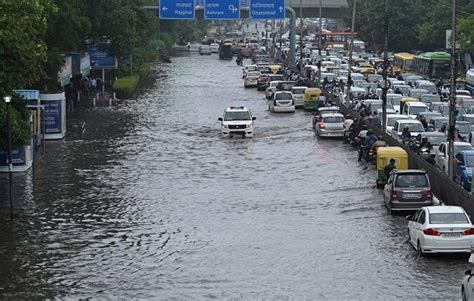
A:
(150, 202)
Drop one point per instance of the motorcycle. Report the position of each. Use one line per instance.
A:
(425, 153)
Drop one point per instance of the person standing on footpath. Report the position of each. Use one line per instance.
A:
(93, 85)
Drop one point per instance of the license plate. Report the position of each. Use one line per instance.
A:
(451, 234)
(411, 195)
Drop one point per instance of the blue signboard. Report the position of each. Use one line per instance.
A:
(18, 157)
(101, 59)
(222, 9)
(267, 9)
(52, 116)
(177, 9)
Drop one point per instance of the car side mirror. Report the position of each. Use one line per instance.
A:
(409, 217)
(220, 118)
(254, 118)
(468, 273)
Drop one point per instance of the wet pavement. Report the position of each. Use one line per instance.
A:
(150, 202)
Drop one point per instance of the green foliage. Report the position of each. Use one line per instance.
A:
(23, 51)
(413, 24)
(125, 86)
(21, 132)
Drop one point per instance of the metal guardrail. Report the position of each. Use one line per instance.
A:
(445, 189)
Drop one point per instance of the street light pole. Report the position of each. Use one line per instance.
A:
(385, 70)
(7, 100)
(301, 38)
(351, 49)
(452, 94)
(319, 41)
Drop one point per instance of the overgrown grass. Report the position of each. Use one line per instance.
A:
(125, 86)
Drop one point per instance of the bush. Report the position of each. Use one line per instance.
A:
(21, 132)
(125, 86)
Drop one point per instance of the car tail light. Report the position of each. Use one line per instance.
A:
(322, 126)
(429, 194)
(469, 232)
(431, 232)
(394, 195)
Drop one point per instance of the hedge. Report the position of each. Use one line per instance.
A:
(125, 86)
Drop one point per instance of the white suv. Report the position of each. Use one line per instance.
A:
(237, 121)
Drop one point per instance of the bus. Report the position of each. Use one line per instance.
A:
(433, 65)
(403, 63)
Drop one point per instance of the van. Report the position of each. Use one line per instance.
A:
(412, 109)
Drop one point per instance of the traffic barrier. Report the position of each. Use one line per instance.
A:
(445, 189)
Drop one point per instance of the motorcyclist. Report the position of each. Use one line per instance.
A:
(406, 135)
(425, 145)
(376, 120)
(364, 148)
(423, 122)
(379, 143)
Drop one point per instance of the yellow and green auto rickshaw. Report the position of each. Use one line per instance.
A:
(311, 98)
(384, 155)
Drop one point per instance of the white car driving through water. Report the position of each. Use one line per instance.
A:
(237, 121)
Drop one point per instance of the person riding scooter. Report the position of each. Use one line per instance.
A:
(406, 135)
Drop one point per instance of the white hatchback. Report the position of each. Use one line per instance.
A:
(282, 102)
(298, 95)
(440, 229)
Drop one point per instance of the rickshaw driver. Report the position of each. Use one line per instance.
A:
(389, 167)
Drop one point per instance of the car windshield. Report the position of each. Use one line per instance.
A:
(414, 127)
(375, 106)
(464, 128)
(286, 86)
(276, 77)
(469, 119)
(436, 140)
(430, 98)
(233, 116)
(448, 218)
(283, 96)
(396, 101)
(411, 180)
(469, 161)
(298, 90)
(417, 110)
(333, 119)
(391, 121)
(460, 148)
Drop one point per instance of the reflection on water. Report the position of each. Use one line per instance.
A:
(150, 202)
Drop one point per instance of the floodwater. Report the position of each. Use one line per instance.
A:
(150, 202)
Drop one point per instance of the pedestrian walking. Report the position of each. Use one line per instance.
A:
(93, 85)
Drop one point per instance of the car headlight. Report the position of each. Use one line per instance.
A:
(249, 125)
(224, 126)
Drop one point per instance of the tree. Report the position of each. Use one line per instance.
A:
(23, 51)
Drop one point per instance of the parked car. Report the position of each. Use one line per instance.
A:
(414, 126)
(251, 79)
(321, 111)
(215, 48)
(440, 229)
(298, 95)
(412, 109)
(237, 121)
(271, 89)
(464, 162)
(407, 189)
(330, 125)
(441, 157)
(205, 49)
(247, 69)
(391, 119)
(436, 123)
(262, 81)
(282, 102)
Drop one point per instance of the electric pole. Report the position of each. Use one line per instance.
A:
(319, 40)
(452, 94)
(385, 70)
(351, 48)
(301, 38)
